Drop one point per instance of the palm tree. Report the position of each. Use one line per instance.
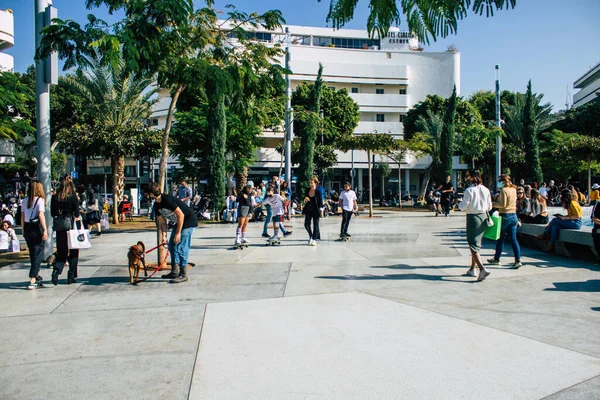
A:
(513, 118)
(426, 19)
(431, 127)
(116, 102)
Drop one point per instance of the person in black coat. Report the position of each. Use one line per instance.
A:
(64, 208)
(312, 211)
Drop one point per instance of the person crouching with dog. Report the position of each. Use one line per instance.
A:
(64, 208)
(171, 210)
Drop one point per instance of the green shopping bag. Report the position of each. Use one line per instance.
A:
(493, 232)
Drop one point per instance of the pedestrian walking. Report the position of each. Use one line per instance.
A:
(34, 229)
(312, 211)
(184, 193)
(446, 190)
(507, 207)
(64, 208)
(347, 200)
(476, 203)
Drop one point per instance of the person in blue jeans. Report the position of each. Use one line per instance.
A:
(573, 220)
(507, 207)
(172, 211)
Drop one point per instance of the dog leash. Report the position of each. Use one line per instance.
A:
(159, 267)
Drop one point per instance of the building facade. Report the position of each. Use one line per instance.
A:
(7, 39)
(386, 78)
(588, 85)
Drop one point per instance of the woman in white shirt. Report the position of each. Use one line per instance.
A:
(476, 203)
(4, 241)
(35, 232)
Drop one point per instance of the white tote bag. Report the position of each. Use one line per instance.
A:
(78, 238)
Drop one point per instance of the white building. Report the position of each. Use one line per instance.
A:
(589, 85)
(7, 39)
(384, 77)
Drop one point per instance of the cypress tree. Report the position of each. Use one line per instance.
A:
(217, 127)
(447, 139)
(532, 144)
(307, 145)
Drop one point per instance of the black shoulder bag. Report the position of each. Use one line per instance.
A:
(33, 229)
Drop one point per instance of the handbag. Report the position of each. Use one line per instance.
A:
(78, 238)
(489, 221)
(33, 229)
(493, 232)
(61, 222)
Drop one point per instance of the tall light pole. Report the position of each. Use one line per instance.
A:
(289, 116)
(46, 73)
(498, 124)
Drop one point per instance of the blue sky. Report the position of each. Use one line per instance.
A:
(551, 42)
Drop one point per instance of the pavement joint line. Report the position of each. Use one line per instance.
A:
(118, 309)
(570, 387)
(197, 352)
(67, 298)
(479, 323)
(287, 279)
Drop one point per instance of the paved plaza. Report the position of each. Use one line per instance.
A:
(387, 315)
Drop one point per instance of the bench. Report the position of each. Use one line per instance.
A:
(576, 243)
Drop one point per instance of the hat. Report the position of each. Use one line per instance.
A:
(595, 186)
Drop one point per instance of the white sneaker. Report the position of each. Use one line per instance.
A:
(313, 242)
(482, 275)
(470, 272)
(309, 242)
(238, 241)
(273, 239)
(244, 240)
(517, 265)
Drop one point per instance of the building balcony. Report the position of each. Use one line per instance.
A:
(381, 102)
(7, 30)
(394, 128)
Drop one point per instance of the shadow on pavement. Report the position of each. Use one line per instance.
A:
(589, 286)
(442, 278)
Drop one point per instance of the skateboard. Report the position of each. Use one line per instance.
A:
(240, 246)
(273, 242)
(343, 238)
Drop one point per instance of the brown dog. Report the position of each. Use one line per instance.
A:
(137, 260)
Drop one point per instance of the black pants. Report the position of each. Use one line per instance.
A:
(63, 254)
(36, 254)
(314, 233)
(346, 217)
(446, 206)
(596, 237)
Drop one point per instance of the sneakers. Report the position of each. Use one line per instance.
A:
(313, 242)
(470, 272)
(493, 261)
(244, 240)
(237, 241)
(309, 242)
(516, 265)
(265, 234)
(288, 233)
(482, 275)
(347, 235)
(274, 239)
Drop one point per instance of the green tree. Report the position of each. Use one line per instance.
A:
(380, 143)
(475, 140)
(115, 102)
(584, 119)
(307, 143)
(431, 127)
(530, 137)
(15, 115)
(427, 19)
(401, 149)
(447, 140)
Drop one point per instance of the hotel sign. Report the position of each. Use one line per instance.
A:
(396, 40)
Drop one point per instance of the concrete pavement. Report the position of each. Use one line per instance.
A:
(387, 315)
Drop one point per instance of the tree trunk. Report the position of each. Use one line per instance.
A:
(118, 169)
(162, 169)
(589, 178)
(370, 184)
(425, 182)
(400, 184)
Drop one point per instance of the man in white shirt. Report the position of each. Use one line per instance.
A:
(349, 206)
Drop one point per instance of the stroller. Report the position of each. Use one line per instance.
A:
(201, 209)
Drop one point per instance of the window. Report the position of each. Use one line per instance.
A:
(378, 91)
(96, 170)
(402, 91)
(389, 55)
(130, 171)
(401, 119)
(380, 118)
(354, 90)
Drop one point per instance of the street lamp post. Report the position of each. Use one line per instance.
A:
(289, 117)
(498, 124)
